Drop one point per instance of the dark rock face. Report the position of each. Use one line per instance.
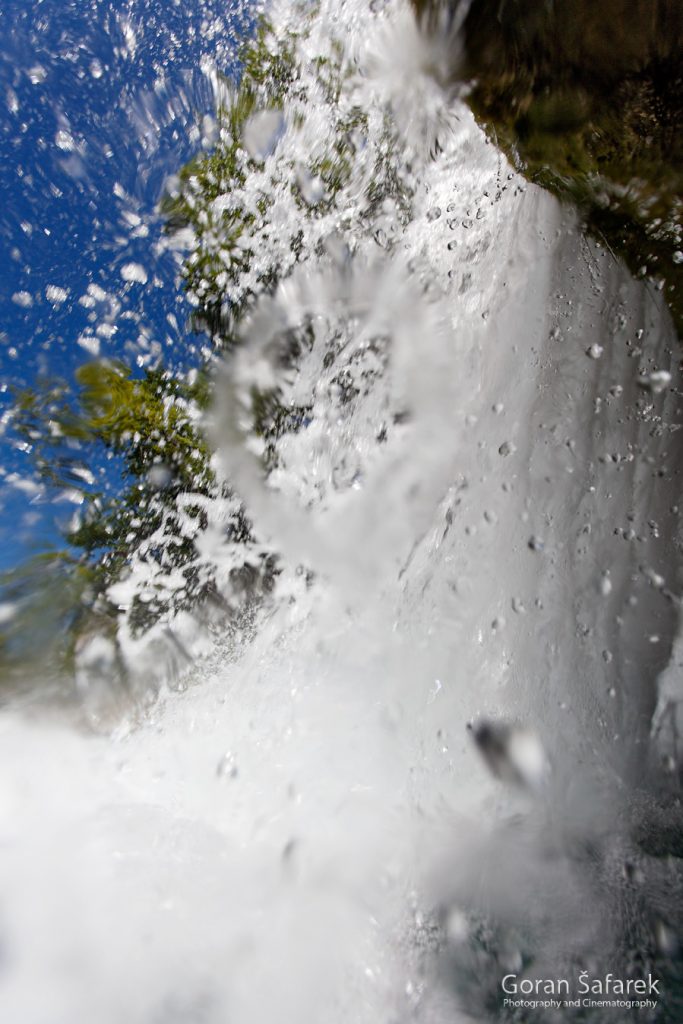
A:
(574, 42)
(587, 100)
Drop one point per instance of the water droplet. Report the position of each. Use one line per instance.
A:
(262, 132)
(7, 612)
(37, 74)
(507, 448)
(666, 939)
(655, 579)
(227, 767)
(159, 476)
(56, 295)
(312, 188)
(289, 851)
(457, 926)
(656, 382)
(64, 141)
(134, 272)
(605, 585)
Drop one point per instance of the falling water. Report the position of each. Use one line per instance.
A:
(474, 507)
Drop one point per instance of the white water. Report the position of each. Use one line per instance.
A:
(269, 845)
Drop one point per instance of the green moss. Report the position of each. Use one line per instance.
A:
(587, 100)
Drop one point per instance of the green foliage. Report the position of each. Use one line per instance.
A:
(149, 420)
(267, 65)
(209, 200)
(202, 200)
(151, 424)
(49, 599)
(131, 444)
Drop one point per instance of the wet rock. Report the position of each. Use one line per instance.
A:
(586, 99)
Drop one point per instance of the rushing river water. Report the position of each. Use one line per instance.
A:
(484, 494)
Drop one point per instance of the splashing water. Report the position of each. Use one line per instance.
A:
(471, 488)
(101, 103)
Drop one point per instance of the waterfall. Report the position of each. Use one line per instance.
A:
(476, 519)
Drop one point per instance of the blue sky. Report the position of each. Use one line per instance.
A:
(100, 101)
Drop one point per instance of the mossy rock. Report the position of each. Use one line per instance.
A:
(586, 99)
